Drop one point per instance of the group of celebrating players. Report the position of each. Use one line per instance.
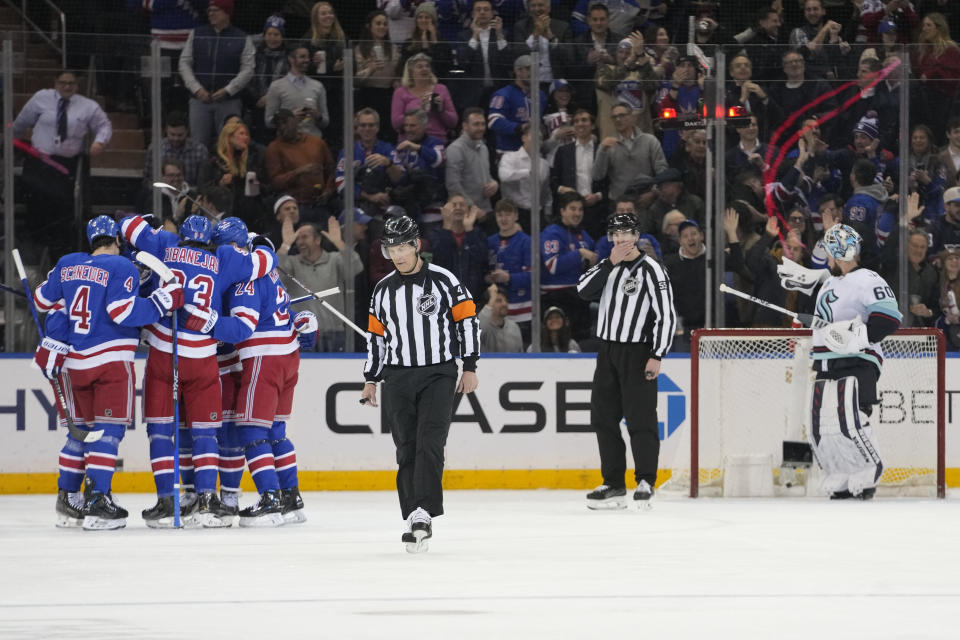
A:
(238, 350)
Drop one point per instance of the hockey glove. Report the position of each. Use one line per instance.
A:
(168, 297)
(200, 319)
(50, 356)
(847, 337)
(796, 277)
(306, 325)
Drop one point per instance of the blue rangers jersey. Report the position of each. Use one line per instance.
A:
(101, 308)
(512, 254)
(510, 107)
(205, 277)
(560, 251)
(259, 323)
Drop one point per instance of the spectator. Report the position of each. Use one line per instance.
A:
(927, 176)
(949, 320)
(459, 246)
(376, 67)
(558, 119)
(425, 40)
(485, 56)
(286, 214)
(170, 26)
(749, 154)
(691, 161)
(538, 31)
(866, 146)
(868, 99)
(631, 81)
(573, 172)
(765, 45)
(936, 62)
(176, 144)
(468, 163)
(922, 281)
(510, 107)
(400, 15)
(555, 336)
(621, 18)
(798, 222)
(594, 45)
(510, 264)
(670, 232)
(671, 195)
(625, 204)
(567, 251)
(317, 270)
(687, 271)
(376, 165)
(302, 166)
(950, 156)
(498, 333)
(170, 201)
(269, 64)
(326, 42)
(60, 120)
(305, 97)
(945, 230)
(762, 261)
(419, 89)
(421, 156)
(865, 211)
(515, 176)
(830, 214)
(821, 41)
(743, 91)
(681, 93)
(629, 157)
(798, 92)
(216, 64)
(663, 53)
(237, 165)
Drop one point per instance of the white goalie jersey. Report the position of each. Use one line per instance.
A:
(859, 295)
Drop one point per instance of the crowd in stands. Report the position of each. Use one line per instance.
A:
(444, 131)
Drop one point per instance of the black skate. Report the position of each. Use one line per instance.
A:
(211, 513)
(841, 495)
(69, 509)
(266, 513)
(642, 496)
(867, 494)
(230, 500)
(606, 497)
(291, 506)
(102, 513)
(421, 530)
(189, 508)
(160, 515)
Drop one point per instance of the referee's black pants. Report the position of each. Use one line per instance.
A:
(620, 390)
(419, 404)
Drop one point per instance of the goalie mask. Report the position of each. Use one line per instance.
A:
(842, 242)
(398, 231)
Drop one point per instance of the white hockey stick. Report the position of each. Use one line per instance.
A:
(805, 319)
(156, 265)
(316, 295)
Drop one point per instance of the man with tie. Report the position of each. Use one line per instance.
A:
(60, 120)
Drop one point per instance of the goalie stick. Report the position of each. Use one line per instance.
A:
(81, 435)
(806, 319)
(163, 272)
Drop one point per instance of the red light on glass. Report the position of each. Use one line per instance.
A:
(668, 113)
(736, 112)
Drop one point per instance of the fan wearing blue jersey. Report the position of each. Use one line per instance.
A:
(206, 273)
(859, 310)
(92, 334)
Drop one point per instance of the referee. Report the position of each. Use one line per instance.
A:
(421, 320)
(635, 326)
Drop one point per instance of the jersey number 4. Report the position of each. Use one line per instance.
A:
(80, 310)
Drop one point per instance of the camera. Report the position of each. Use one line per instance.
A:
(703, 26)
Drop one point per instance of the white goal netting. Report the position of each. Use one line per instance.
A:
(752, 389)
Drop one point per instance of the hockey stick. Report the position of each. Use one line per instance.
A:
(326, 305)
(13, 291)
(163, 272)
(316, 295)
(40, 155)
(81, 435)
(806, 319)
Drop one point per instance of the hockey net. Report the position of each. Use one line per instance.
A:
(750, 393)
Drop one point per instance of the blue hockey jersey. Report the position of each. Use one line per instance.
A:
(259, 323)
(512, 254)
(510, 107)
(560, 252)
(102, 311)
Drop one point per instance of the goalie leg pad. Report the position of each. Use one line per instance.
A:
(842, 444)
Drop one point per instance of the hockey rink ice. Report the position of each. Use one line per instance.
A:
(502, 564)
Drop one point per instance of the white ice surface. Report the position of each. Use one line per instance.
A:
(503, 564)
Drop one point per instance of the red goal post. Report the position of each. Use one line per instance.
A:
(748, 394)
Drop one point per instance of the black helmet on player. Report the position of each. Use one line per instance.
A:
(622, 222)
(398, 231)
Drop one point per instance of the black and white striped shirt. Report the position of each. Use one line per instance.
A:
(636, 302)
(421, 319)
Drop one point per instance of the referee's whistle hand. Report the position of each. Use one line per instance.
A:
(369, 395)
(468, 382)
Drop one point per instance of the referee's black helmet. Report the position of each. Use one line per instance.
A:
(398, 231)
(623, 222)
